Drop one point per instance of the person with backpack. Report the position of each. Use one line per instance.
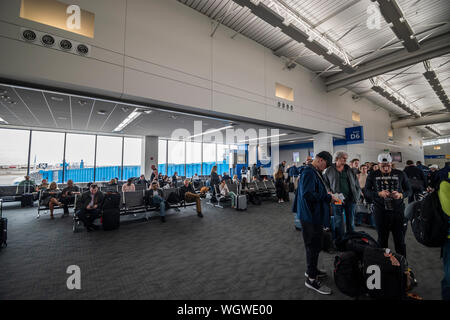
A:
(386, 188)
(416, 178)
(313, 203)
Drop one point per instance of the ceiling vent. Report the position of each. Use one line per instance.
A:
(54, 42)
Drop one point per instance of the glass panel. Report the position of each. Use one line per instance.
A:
(46, 155)
(13, 163)
(80, 153)
(132, 158)
(109, 158)
(209, 158)
(223, 159)
(193, 159)
(162, 152)
(176, 158)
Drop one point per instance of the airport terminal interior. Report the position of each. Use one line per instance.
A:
(224, 149)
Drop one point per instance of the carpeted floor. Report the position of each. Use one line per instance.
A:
(256, 254)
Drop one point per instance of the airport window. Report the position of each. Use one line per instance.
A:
(284, 92)
(223, 163)
(176, 159)
(132, 151)
(109, 158)
(14, 155)
(47, 149)
(193, 158)
(209, 157)
(80, 154)
(162, 156)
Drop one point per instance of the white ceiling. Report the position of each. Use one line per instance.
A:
(38, 109)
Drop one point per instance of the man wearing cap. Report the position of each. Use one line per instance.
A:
(387, 188)
(313, 206)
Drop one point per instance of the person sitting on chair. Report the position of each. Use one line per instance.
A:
(43, 186)
(129, 186)
(51, 198)
(143, 181)
(155, 198)
(252, 197)
(27, 184)
(91, 202)
(224, 191)
(187, 193)
(68, 196)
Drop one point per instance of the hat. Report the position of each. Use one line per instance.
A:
(325, 156)
(434, 166)
(384, 158)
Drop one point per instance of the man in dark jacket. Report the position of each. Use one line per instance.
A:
(341, 179)
(387, 188)
(90, 209)
(417, 179)
(313, 201)
(143, 181)
(155, 198)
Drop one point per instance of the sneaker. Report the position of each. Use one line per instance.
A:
(320, 274)
(316, 285)
(199, 214)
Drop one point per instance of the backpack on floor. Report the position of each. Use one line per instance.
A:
(393, 268)
(27, 200)
(173, 198)
(348, 274)
(111, 212)
(356, 242)
(429, 222)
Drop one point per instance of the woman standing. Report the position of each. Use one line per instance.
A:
(279, 185)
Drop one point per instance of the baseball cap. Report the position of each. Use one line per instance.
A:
(384, 158)
(325, 156)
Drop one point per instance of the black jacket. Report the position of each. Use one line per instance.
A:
(184, 190)
(86, 199)
(214, 179)
(395, 181)
(414, 173)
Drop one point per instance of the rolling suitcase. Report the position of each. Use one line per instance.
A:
(3, 228)
(241, 203)
(27, 200)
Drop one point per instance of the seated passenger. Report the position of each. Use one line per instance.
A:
(175, 179)
(154, 176)
(91, 202)
(155, 198)
(196, 177)
(226, 177)
(165, 183)
(51, 198)
(187, 193)
(251, 192)
(112, 182)
(68, 196)
(224, 191)
(142, 181)
(43, 186)
(129, 186)
(235, 179)
(26, 186)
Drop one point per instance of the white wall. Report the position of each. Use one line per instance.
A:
(160, 51)
(445, 150)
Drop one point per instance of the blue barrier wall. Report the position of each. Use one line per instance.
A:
(193, 168)
(87, 174)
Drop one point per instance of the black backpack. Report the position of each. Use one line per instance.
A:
(356, 242)
(393, 279)
(348, 274)
(429, 222)
(173, 198)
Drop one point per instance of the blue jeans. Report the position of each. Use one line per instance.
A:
(158, 201)
(297, 222)
(343, 212)
(446, 281)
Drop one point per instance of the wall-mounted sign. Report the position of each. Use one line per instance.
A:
(354, 135)
(60, 15)
(437, 156)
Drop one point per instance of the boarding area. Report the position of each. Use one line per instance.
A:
(225, 150)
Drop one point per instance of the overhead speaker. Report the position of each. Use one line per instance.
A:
(29, 35)
(82, 49)
(65, 44)
(48, 40)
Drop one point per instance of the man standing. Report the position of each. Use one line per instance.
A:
(417, 179)
(387, 188)
(341, 179)
(313, 204)
(354, 164)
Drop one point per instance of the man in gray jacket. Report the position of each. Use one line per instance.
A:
(341, 179)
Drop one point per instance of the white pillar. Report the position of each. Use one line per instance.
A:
(149, 154)
(323, 142)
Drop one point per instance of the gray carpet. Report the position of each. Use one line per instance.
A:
(228, 254)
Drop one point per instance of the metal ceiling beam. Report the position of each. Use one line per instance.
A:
(307, 37)
(423, 121)
(431, 48)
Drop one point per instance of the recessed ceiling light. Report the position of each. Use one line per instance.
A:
(125, 109)
(3, 120)
(12, 102)
(4, 97)
(82, 102)
(62, 118)
(148, 111)
(101, 112)
(57, 99)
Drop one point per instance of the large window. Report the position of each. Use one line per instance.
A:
(223, 159)
(162, 156)
(109, 158)
(132, 151)
(80, 153)
(47, 149)
(209, 158)
(176, 159)
(14, 155)
(193, 158)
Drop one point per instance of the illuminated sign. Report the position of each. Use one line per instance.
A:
(60, 15)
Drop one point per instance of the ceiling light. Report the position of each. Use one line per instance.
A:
(57, 99)
(82, 102)
(4, 97)
(101, 112)
(209, 132)
(62, 118)
(261, 138)
(125, 109)
(3, 120)
(131, 117)
(148, 111)
(12, 102)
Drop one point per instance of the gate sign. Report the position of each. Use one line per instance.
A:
(354, 135)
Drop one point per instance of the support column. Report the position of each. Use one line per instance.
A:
(149, 155)
(323, 142)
